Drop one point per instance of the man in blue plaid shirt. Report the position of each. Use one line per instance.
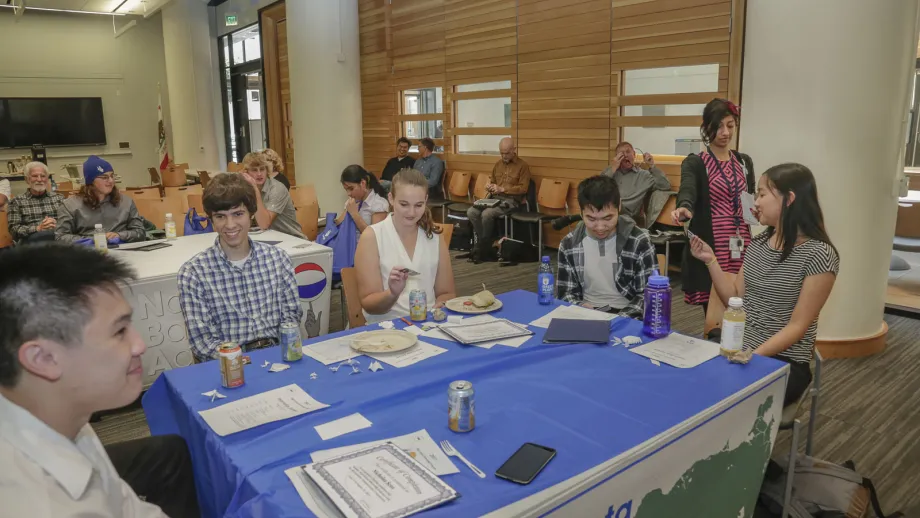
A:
(606, 261)
(239, 290)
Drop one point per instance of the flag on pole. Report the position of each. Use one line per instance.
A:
(162, 151)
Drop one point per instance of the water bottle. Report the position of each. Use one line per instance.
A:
(546, 282)
(657, 319)
(99, 240)
(170, 227)
(733, 326)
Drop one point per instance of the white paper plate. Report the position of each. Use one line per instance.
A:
(459, 305)
(383, 341)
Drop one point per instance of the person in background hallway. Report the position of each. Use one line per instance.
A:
(367, 199)
(274, 207)
(276, 167)
(711, 184)
(634, 182)
(607, 260)
(431, 167)
(32, 215)
(99, 201)
(402, 160)
(406, 239)
(67, 350)
(238, 290)
(508, 182)
(788, 273)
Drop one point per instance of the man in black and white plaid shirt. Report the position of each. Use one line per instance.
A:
(606, 261)
(33, 214)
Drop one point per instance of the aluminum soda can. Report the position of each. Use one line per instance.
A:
(461, 406)
(291, 350)
(231, 365)
(418, 305)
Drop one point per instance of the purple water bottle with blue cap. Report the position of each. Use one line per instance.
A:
(657, 319)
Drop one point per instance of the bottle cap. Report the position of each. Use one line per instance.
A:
(169, 214)
(99, 226)
(545, 258)
(657, 280)
(736, 302)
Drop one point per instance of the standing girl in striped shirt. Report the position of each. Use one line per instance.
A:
(788, 272)
(711, 184)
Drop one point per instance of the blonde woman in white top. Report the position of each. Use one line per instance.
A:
(367, 199)
(405, 239)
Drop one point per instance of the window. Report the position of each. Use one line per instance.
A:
(246, 45)
(423, 101)
(422, 115)
(672, 80)
(483, 115)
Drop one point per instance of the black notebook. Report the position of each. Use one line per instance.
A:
(572, 331)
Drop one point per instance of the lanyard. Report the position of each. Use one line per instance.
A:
(731, 181)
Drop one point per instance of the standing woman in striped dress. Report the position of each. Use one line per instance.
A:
(788, 272)
(711, 184)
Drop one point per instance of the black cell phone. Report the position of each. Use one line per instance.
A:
(526, 463)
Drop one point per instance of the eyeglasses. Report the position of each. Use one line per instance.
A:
(107, 177)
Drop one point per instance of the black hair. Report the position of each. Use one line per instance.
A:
(45, 292)
(355, 174)
(428, 143)
(803, 215)
(226, 191)
(403, 140)
(598, 192)
(716, 110)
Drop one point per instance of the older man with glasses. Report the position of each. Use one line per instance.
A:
(33, 214)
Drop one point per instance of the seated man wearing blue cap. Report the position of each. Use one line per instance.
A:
(99, 202)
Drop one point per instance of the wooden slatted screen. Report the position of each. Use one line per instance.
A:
(378, 99)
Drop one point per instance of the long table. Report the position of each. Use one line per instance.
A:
(633, 439)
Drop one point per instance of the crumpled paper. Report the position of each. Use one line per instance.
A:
(741, 357)
(278, 367)
(386, 324)
(213, 394)
(375, 366)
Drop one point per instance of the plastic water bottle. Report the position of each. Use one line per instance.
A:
(99, 240)
(546, 282)
(733, 326)
(657, 319)
(170, 227)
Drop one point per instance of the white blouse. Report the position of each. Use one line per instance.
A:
(392, 254)
(373, 204)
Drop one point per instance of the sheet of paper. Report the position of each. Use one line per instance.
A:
(313, 497)
(747, 208)
(573, 312)
(416, 330)
(342, 426)
(335, 350)
(377, 482)
(416, 353)
(267, 407)
(419, 445)
(514, 342)
(679, 351)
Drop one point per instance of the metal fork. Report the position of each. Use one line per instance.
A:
(450, 451)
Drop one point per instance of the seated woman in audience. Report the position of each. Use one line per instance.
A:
(407, 238)
(276, 167)
(787, 275)
(99, 202)
(367, 199)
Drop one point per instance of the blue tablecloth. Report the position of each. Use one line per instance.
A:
(588, 402)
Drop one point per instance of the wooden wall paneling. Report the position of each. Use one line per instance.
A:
(378, 99)
(278, 85)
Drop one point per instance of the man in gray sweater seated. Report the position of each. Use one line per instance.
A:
(634, 182)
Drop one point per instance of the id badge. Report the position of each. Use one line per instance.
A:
(736, 246)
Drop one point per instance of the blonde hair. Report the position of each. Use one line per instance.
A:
(255, 158)
(414, 177)
(272, 156)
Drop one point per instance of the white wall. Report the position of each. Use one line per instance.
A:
(72, 55)
(247, 12)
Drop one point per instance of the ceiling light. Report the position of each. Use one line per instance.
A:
(64, 10)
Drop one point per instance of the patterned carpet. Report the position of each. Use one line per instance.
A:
(869, 409)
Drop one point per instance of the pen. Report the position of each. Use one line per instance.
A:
(406, 321)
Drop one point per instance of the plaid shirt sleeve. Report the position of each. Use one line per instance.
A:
(204, 342)
(568, 285)
(643, 265)
(291, 311)
(18, 228)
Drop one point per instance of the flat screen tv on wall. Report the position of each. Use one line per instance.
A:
(51, 121)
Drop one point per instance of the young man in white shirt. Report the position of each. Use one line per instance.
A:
(67, 350)
(606, 261)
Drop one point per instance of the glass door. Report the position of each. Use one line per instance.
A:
(241, 69)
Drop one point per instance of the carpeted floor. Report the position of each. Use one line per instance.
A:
(869, 410)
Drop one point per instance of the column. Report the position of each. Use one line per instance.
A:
(826, 83)
(325, 77)
(190, 71)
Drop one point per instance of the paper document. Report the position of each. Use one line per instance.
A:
(139, 244)
(572, 312)
(416, 330)
(679, 351)
(437, 334)
(419, 445)
(747, 209)
(342, 426)
(253, 411)
(416, 353)
(494, 331)
(382, 481)
(313, 497)
(335, 350)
